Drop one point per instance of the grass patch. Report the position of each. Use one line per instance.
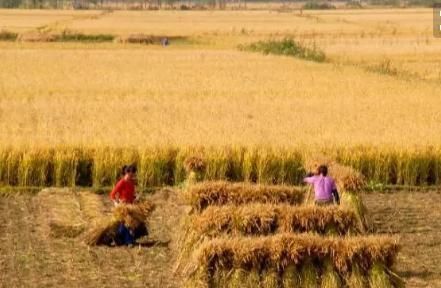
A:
(68, 36)
(287, 47)
(314, 5)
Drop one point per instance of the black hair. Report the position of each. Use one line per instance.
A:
(323, 170)
(129, 169)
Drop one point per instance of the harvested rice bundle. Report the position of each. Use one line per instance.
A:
(330, 278)
(309, 275)
(202, 195)
(353, 201)
(355, 278)
(291, 277)
(132, 215)
(378, 277)
(264, 219)
(270, 278)
(62, 210)
(284, 249)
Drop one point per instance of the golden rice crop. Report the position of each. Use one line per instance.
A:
(205, 194)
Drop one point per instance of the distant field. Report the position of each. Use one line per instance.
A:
(205, 92)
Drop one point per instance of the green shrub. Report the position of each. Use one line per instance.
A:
(288, 47)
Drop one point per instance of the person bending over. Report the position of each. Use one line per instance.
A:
(325, 190)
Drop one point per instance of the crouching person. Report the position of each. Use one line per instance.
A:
(325, 190)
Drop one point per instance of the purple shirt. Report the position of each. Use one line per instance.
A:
(323, 186)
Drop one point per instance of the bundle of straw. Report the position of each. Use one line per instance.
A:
(284, 249)
(132, 215)
(202, 195)
(264, 219)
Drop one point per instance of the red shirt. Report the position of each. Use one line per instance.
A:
(125, 190)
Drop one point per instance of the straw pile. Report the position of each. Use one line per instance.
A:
(202, 195)
(62, 211)
(132, 215)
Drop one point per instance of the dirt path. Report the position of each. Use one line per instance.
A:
(29, 257)
(415, 216)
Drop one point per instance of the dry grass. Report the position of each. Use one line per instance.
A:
(63, 212)
(205, 194)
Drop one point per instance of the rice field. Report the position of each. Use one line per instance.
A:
(84, 92)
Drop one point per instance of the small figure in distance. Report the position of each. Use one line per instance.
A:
(164, 42)
(325, 190)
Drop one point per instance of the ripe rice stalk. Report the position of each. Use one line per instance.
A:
(378, 277)
(309, 275)
(202, 195)
(291, 277)
(279, 167)
(156, 167)
(107, 164)
(65, 167)
(250, 159)
(36, 168)
(10, 159)
(330, 278)
(270, 278)
(355, 278)
(62, 210)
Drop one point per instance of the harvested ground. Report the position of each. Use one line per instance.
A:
(31, 257)
(415, 216)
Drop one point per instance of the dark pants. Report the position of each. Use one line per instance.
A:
(125, 236)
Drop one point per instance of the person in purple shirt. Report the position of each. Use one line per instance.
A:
(325, 189)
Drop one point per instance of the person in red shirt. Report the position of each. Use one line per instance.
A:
(124, 190)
